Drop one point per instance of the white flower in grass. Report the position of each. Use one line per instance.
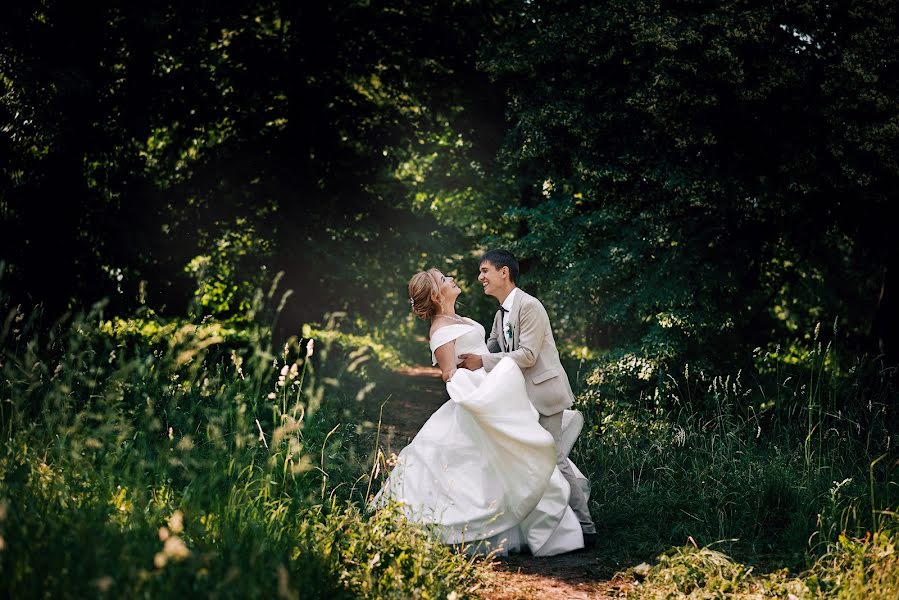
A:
(173, 547)
(310, 346)
(272, 395)
(176, 522)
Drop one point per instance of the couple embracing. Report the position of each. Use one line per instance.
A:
(490, 468)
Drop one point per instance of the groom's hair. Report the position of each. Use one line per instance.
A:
(500, 259)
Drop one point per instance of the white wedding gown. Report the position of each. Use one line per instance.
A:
(482, 470)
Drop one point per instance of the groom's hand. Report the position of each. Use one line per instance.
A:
(472, 362)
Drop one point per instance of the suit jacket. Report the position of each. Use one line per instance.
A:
(533, 348)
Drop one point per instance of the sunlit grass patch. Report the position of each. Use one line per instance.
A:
(185, 462)
(854, 568)
(692, 572)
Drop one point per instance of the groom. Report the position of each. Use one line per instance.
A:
(521, 331)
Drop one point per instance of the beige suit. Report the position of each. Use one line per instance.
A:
(533, 348)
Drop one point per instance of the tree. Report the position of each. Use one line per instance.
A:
(702, 178)
(228, 142)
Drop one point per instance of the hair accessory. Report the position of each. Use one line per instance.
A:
(412, 303)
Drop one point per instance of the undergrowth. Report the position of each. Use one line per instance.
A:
(172, 460)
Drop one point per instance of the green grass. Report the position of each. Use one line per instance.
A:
(854, 568)
(179, 465)
(146, 459)
(791, 471)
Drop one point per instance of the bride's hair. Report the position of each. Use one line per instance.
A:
(424, 294)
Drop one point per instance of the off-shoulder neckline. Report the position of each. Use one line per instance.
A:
(471, 323)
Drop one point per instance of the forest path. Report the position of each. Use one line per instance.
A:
(412, 395)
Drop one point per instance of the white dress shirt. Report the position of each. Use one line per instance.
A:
(507, 304)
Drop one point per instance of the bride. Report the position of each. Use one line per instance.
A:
(482, 470)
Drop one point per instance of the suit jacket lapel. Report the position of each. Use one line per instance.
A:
(514, 316)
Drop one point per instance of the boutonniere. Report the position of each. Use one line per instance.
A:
(509, 330)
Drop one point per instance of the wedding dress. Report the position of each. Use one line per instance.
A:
(482, 470)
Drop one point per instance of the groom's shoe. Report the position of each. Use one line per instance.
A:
(590, 540)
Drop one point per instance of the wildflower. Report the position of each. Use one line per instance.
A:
(294, 371)
(310, 346)
(176, 521)
(171, 434)
(284, 370)
(173, 548)
(272, 395)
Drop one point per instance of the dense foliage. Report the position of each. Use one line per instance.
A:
(701, 177)
(158, 153)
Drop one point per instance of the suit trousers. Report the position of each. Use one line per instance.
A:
(576, 500)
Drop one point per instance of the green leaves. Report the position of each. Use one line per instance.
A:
(692, 161)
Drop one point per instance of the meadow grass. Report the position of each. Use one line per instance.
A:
(144, 458)
(791, 472)
(194, 463)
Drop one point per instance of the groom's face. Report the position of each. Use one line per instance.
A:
(492, 278)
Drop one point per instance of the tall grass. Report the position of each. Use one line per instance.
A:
(196, 462)
(780, 468)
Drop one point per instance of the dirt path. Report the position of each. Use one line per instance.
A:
(412, 396)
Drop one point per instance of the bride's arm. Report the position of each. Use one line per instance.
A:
(446, 360)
